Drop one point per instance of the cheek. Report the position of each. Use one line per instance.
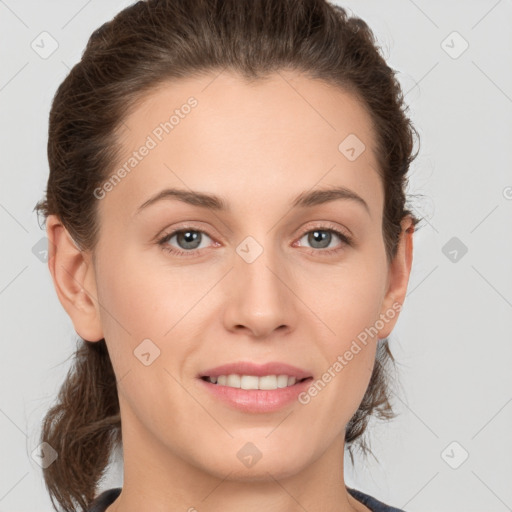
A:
(349, 306)
(137, 297)
(141, 312)
(148, 313)
(135, 305)
(347, 298)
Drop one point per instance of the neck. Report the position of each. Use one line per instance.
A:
(161, 480)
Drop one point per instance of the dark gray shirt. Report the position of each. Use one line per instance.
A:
(108, 497)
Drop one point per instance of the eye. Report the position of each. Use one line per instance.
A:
(320, 239)
(191, 240)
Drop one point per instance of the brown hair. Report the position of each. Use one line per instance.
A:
(143, 46)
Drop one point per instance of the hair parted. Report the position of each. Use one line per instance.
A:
(156, 41)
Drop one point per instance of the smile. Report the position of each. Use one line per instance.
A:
(265, 382)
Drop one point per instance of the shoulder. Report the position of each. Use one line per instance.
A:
(105, 499)
(372, 503)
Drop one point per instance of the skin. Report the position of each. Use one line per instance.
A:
(258, 146)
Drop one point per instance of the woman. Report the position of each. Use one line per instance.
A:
(228, 234)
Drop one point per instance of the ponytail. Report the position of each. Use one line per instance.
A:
(83, 426)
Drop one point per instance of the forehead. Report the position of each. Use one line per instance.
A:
(218, 133)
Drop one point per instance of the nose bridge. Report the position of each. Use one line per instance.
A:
(260, 301)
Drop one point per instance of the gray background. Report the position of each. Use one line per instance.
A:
(452, 341)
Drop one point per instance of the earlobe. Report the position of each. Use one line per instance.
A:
(399, 272)
(73, 278)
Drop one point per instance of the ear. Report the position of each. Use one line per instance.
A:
(398, 278)
(73, 277)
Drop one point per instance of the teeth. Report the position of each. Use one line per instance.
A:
(233, 381)
(266, 382)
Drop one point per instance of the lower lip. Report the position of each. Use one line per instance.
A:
(257, 400)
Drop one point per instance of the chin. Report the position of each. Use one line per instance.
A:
(250, 464)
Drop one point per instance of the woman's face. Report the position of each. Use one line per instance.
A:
(259, 280)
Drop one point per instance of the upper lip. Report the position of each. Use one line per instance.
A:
(248, 368)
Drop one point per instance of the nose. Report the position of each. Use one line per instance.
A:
(260, 297)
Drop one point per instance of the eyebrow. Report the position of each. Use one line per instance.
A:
(212, 202)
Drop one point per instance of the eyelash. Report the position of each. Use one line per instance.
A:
(346, 240)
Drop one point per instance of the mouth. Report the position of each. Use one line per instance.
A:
(264, 382)
(255, 388)
(248, 375)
